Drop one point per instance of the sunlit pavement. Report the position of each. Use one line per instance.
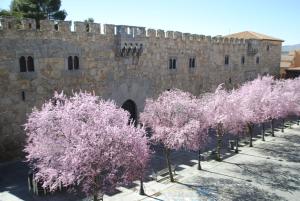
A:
(268, 171)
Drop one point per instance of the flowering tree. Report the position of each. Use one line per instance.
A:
(84, 141)
(173, 117)
(289, 97)
(255, 101)
(220, 111)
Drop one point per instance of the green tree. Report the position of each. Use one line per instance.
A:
(36, 9)
(89, 20)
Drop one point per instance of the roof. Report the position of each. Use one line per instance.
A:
(252, 35)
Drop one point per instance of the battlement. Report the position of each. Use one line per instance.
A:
(123, 32)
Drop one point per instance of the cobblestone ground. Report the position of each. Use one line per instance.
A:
(268, 171)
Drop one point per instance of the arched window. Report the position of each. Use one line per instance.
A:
(30, 64)
(22, 62)
(257, 60)
(70, 63)
(76, 63)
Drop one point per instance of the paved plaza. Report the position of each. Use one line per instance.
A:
(268, 171)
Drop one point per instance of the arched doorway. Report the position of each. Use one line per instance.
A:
(130, 106)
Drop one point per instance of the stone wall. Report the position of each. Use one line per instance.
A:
(116, 62)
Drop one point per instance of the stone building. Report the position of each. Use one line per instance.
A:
(125, 63)
(290, 64)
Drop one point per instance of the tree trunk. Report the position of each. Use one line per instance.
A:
(199, 159)
(263, 132)
(290, 124)
(142, 192)
(167, 154)
(282, 127)
(298, 120)
(249, 126)
(219, 142)
(237, 145)
(96, 191)
(272, 127)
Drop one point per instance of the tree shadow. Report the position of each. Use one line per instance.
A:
(288, 150)
(210, 188)
(275, 175)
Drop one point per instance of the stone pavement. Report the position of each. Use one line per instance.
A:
(268, 171)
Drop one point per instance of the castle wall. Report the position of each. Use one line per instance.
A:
(103, 68)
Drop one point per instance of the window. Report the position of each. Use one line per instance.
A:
(22, 62)
(26, 65)
(268, 47)
(70, 63)
(257, 60)
(76, 63)
(192, 63)
(172, 63)
(29, 26)
(226, 59)
(56, 26)
(30, 64)
(73, 63)
(23, 95)
(243, 60)
(87, 27)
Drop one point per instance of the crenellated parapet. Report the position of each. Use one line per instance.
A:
(126, 36)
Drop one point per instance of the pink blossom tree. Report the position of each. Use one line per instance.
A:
(255, 102)
(174, 119)
(289, 97)
(221, 114)
(84, 141)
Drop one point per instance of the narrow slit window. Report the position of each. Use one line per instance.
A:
(226, 60)
(243, 60)
(23, 96)
(257, 60)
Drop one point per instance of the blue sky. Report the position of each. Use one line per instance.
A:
(278, 18)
